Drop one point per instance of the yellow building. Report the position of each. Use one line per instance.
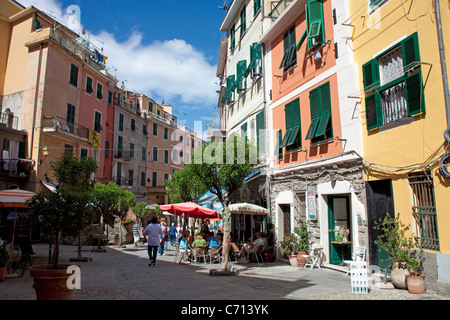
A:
(396, 45)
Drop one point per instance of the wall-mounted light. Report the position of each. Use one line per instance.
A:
(45, 154)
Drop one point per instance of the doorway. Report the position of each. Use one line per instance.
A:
(339, 216)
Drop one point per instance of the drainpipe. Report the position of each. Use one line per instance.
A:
(36, 97)
(443, 68)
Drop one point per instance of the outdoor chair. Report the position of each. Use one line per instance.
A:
(199, 253)
(235, 252)
(258, 255)
(314, 259)
(215, 254)
(359, 254)
(182, 251)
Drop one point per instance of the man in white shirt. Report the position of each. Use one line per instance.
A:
(154, 236)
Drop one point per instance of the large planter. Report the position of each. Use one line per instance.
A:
(301, 259)
(51, 284)
(398, 277)
(2, 274)
(415, 284)
(293, 261)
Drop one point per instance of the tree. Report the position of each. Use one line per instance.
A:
(222, 167)
(184, 187)
(110, 198)
(68, 207)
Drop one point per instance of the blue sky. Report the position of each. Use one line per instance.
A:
(165, 49)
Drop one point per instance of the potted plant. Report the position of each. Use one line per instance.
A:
(302, 247)
(5, 259)
(415, 280)
(289, 247)
(57, 211)
(397, 246)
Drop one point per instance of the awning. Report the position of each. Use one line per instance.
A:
(247, 208)
(49, 185)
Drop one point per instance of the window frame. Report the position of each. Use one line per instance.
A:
(73, 79)
(321, 113)
(89, 88)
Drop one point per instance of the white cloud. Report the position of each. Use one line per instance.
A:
(172, 70)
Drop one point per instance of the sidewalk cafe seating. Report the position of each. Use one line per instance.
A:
(359, 254)
(215, 254)
(235, 252)
(182, 251)
(258, 254)
(314, 259)
(199, 253)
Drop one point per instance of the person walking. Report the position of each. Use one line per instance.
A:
(172, 233)
(154, 236)
(136, 232)
(164, 238)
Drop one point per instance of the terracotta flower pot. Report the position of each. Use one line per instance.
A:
(293, 261)
(416, 284)
(51, 284)
(301, 260)
(398, 277)
(2, 274)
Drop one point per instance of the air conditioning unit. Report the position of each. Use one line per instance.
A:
(242, 85)
(258, 71)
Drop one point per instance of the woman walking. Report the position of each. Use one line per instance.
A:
(154, 236)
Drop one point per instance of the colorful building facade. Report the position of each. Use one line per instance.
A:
(403, 87)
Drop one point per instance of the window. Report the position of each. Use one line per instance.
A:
(166, 156)
(241, 79)
(292, 138)
(260, 132)
(394, 87)
(68, 149)
(166, 177)
(155, 129)
(255, 66)
(97, 122)
(424, 209)
(315, 24)
(256, 7)
(70, 118)
(290, 52)
(89, 88)
(73, 75)
(110, 97)
(119, 174)
(155, 154)
(144, 153)
(244, 131)
(106, 149)
(154, 179)
(166, 133)
(278, 148)
(99, 91)
(119, 146)
(243, 20)
(143, 179)
(150, 107)
(132, 150)
(130, 177)
(228, 97)
(121, 116)
(133, 125)
(144, 130)
(83, 153)
(321, 122)
(233, 36)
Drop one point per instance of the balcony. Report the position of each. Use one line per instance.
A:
(16, 169)
(9, 120)
(62, 126)
(122, 155)
(278, 7)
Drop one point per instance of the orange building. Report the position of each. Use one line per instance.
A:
(316, 135)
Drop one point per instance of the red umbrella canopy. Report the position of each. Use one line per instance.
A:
(190, 209)
(15, 198)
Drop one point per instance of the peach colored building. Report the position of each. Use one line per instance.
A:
(315, 137)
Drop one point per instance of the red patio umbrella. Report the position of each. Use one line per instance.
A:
(190, 209)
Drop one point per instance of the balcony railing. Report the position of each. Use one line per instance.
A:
(9, 120)
(278, 8)
(123, 154)
(57, 124)
(16, 168)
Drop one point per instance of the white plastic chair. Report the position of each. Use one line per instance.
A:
(359, 254)
(314, 259)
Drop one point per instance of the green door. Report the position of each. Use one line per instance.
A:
(339, 215)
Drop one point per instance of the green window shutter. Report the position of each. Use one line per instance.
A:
(371, 75)
(120, 122)
(289, 124)
(314, 101)
(410, 52)
(295, 137)
(315, 23)
(244, 130)
(241, 80)
(255, 58)
(89, 85)
(231, 83)
(414, 94)
(278, 148)
(302, 39)
(325, 103)
(155, 129)
(290, 54)
(74, 75)
(233, 37)
(373, 111)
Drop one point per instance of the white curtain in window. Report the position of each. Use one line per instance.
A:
(391, 66)
(394, 103)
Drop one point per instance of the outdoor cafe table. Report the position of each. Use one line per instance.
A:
(342, 244)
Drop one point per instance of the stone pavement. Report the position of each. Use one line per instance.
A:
(122, 273)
